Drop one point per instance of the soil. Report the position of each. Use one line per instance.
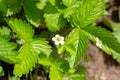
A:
(101, 65)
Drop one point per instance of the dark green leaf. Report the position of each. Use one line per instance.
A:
(14, 6)
(1, 71)
(31, 12)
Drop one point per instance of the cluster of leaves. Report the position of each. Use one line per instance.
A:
(22, 47)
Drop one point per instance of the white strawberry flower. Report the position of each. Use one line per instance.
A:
(98, 42)
(58, 39)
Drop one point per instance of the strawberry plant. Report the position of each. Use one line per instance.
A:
(54, 34)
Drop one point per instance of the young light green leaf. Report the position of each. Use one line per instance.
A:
(46, 61)
(52, 2)
(31, 12)
(80, 44)
(5, 33)
(54, 22)
(70, 48)
(60, 64)
(70, 3)
(41, 46)
(23, 29)
(107, 37)
(88, 13)
(41, 4)
(28, 59)
(6, 52)
(55, 74)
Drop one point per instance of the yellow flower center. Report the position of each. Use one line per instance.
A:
(59, 39)
(99, 41)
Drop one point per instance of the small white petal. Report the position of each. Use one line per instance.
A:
(62, 38)
(57, 35)
(96, 39)
(57, 43)
(100, 46)
(62, 42)
(54, 39)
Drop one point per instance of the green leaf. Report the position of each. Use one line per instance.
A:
(31, 12)
(52, 1)
(5, 33)
(70, 48)
(23, 29)
(77, 77)
(60, 64)
(79, 74)
(54, 22)
(14, 6)
(88, 13)
(41, 4)
(28, 57)
(7, 53)
(70, 3)
(53, 19)
(55, 74)
(107, 37)
(3, 7)
(1, 71)
(46, 61)
(41, 46)
(78, 39)
(114, 26)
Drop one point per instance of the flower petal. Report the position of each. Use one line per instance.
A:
(54, 39)
(62, 38)
(57, 43)
(57, 35)
(96, 39)
(62, 42)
